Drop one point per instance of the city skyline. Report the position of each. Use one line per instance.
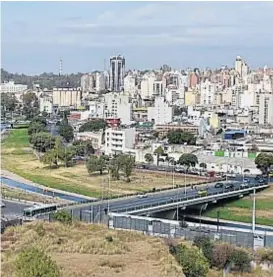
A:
(35, 35)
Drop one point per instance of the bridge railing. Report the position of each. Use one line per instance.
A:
(177, 200)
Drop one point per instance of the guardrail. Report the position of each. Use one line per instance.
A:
(176, 201)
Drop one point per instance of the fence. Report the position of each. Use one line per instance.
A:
(169, 228)
(158, 227)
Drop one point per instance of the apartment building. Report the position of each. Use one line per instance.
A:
(118, 140)
(11, 87)
(266, 109)
(162, 112)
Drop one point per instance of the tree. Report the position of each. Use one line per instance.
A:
(149, 158)
(206, 245)
(33, 262)
(63, 216)
(96, 164)
(42, 141)
(181, 137)
(193, 262)
(203, 165)
(36, 127)
(83, 148)
(264, 161)
(30, 105)
(188, 160)
(8, 103)
(66, 131)
(127, 165)
(221, 254)
(241, 260)
(67, 154)
(158, 151)
(92, 126)
(50, 157)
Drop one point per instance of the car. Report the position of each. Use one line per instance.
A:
(258, 177)
(142, 196)
(219, 185)
(244, 186)
(261, 181)
(229, 186)
(3, 204)
(246, 180)
(202, 192)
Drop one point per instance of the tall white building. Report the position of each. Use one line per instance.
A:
(67, 97)
(207, 91)
(266, 109)
(118, 140)
(46, 104)
(147, 85)
(96, 109)
(10, 87)
(130, 83)
(241, 67)
(118, 106)
(100, 82)
(87, 83)
(117, 73)
(161, 113)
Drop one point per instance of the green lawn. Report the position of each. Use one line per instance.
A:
(17, 138)
(227, 214)
(247, 204)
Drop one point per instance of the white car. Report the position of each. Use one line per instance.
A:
(142, 195)
(3, 204)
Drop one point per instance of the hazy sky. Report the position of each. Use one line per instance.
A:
(197, 34)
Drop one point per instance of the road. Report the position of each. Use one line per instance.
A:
(154, 198)
(13, 208)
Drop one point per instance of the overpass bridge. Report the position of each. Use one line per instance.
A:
(168, 202)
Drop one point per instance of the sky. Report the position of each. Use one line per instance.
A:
(35, 35)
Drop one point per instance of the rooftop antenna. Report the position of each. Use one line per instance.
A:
(60, 67)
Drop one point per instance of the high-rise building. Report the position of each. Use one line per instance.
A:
(117, 73)
(265, 109)
(87, 83)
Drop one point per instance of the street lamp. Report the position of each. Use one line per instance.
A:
(253, 210)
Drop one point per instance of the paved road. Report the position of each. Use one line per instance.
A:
(153, 198)
(13, 208)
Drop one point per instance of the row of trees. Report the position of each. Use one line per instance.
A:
(205, 254)
(29, 107)
(114, 166)
(186, 159)
(93, 126)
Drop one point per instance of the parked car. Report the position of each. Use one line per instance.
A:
(3, 204)
(219, 185)
(244, 186)
(229, 186)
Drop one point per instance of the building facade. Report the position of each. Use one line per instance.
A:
(11, 87)
(117, 73)
(118, 140)
(67, 97)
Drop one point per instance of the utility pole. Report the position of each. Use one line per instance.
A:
(253, 210)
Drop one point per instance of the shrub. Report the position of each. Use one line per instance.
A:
(63, 216)
(221, 254)
(33, 262)
(265, 255)
(193, 262)
(206, 245)
(109, 238)
(241, 260)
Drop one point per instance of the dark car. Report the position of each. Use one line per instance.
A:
(258, 177)
(229, 186)
(219, 185)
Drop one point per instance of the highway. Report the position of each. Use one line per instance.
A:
(13, 208)
(121, 204)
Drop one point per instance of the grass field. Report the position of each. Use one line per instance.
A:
(241, 210)
(18, 158)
